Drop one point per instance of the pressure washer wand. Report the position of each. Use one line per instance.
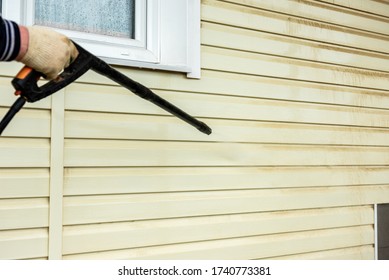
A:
(26, 86)
(104, 69)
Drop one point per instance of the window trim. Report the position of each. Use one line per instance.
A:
(172, 38)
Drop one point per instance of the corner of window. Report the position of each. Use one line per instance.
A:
(165, 34)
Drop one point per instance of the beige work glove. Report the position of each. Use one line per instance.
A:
(48, 52)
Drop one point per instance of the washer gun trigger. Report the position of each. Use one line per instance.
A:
(26, 85)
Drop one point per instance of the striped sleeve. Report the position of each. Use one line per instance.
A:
(9, 40)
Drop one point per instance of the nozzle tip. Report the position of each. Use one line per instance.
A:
(205, 129)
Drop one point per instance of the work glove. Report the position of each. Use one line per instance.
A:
(48, 51)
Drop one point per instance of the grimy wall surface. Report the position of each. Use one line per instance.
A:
(297, 94)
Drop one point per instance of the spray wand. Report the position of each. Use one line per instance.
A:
(25, 84)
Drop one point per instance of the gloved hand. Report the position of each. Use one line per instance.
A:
(48, 51)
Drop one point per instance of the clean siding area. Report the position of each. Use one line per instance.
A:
(297, 95)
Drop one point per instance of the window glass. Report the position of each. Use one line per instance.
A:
(103, 17)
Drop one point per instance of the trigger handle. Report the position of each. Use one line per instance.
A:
(25, 83)
(26, 78)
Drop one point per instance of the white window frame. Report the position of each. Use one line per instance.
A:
(167, 35)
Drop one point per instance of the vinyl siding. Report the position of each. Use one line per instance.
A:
(297, 95)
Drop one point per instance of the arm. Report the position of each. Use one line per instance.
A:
(10, 40)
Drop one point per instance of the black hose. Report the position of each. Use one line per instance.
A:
(19, 103)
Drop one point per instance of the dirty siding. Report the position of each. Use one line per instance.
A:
(297, 94)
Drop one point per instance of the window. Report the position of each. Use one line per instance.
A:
(107, 17)
(157, 34)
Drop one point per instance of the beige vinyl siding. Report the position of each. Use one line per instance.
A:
(209, 228)
(24, 180)
(352, 253)
(246, 247)
(297, 95)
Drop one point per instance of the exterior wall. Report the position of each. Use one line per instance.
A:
(297, 94)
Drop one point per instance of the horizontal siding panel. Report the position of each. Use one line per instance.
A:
(24, 213)
(365, 252)
(109, 99)
(260, 20)
(97, 181)
(136, 153)
(272, 44)
(24, 152)
(116, 99)
(104, 237)
(248, 247)
(28, 123)
(125, 126)
(115, 208)
(23, 244)
(265, 65)
(23, 183)
(322, 13)
(373, 7)
(212, 106)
